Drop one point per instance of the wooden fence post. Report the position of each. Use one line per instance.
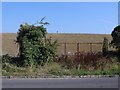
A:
(77, 47)
(90, 47)
(65, 48)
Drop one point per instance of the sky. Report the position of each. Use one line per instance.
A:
(64, 17)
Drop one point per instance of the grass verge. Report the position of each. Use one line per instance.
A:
(56, 70)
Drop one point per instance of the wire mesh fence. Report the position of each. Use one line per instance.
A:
(71, 48)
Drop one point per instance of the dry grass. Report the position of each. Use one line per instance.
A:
(56, 69)
(9, 46)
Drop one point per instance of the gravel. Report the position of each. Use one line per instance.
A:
(52, 76)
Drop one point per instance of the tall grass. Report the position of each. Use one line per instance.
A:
(83, 60)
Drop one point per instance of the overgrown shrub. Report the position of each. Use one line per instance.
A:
(105, 47)
(34, 48)
(116, 38)
(6, 58)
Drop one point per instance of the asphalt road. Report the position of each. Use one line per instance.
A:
(61, 83)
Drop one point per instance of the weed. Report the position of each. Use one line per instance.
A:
(82, 60)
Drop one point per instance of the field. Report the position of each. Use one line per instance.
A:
(11, 48)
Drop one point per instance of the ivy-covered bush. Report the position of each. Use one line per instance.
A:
(34, 48)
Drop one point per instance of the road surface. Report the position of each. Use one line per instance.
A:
(61, 83)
